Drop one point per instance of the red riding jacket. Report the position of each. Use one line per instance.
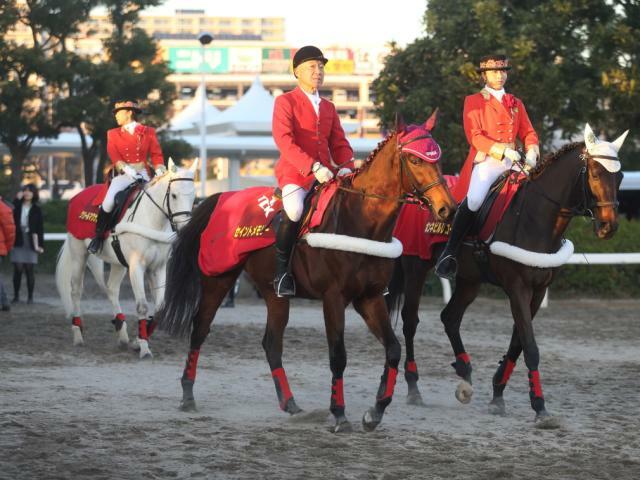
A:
(304, 138)
(490, 127)
(125, 148)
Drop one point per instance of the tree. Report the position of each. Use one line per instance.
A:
(132, 70)
(30, 75)
(560, 50)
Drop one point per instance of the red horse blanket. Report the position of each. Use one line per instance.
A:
(241, 224)
(82, 213)
(418, 232)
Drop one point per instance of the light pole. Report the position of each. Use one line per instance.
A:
(205, 39)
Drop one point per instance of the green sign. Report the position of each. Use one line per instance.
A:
(189, 60)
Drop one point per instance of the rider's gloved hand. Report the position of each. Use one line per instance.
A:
(161, 170)
(344, 171)
(358, 164)
(322, 173)
(511, 154)
(531, 158)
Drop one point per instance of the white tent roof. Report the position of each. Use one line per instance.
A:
(188, 120)
(251, 115)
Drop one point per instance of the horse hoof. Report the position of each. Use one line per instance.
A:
(123, 345)
(496, 407)
(371, 419)
(343, 426)
(292, 407)
(146, 355)
(78, 343)
(464, 392)
(415, 399)
(188, 405)
(545, 421)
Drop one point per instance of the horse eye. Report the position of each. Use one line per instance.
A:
(415, 160)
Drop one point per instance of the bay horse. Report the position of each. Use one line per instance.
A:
(367, 209)
(162, 207)
(581, 179)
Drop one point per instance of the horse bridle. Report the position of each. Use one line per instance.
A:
(169, 215)
(417, 195)
(585, 207)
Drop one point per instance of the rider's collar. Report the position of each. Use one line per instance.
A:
(130, 127)
(498, 94)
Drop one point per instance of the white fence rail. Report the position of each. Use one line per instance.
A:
(575, 259)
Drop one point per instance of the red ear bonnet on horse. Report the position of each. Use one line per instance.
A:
(417, 140)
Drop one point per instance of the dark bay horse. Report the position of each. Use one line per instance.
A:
(367, 208)
(577, 180)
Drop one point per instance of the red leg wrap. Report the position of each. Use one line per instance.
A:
(337, 393)
(411, 367)
(151, 326)
(464, 356)
(392, 373)
(508, 370)
(142, 330)
(121, 317)
(192, 363)
(534, 383)
(282, 386)
(77, 322)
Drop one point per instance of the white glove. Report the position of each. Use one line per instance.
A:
(511, 154)
(531, 158)
(357, 164)
(322, 173)
(129, 171)
(161, 170)
(344, 171)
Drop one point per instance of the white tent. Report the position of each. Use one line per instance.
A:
(251, 115)
(188, 120)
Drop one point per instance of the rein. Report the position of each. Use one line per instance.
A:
(417, 194)
(169, 215)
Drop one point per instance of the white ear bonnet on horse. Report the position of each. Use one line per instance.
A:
(598, 149)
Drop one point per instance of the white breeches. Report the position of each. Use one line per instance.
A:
(482, 176)
(293, 201)
(119, 183)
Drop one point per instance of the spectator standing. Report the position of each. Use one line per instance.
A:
(27, 216)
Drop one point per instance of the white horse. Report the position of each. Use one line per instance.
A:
(145, 234)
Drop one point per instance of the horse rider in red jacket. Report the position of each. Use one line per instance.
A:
(129, 145)
(492, 121)
(312, 145)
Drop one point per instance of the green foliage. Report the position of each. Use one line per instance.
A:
(573, 62)
(177, 149)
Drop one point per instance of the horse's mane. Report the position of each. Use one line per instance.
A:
(550, 158)
(375, 152)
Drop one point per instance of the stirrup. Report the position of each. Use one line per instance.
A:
(441, 267)
(285, 286)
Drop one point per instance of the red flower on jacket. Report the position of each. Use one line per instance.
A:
(509, 100)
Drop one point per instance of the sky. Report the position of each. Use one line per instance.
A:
(345, 23)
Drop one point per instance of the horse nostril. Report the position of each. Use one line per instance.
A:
(444, 213)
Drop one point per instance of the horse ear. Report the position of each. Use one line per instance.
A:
(172, 166)
(590, 139)
(194, 165)
(400, 125)
(431, 122)
(617, 143)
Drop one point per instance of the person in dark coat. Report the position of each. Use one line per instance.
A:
(29, 239)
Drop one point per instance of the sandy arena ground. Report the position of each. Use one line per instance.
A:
(99, 413)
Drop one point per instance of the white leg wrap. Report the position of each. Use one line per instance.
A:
(123, 336)
(77, 336)
(145, 352)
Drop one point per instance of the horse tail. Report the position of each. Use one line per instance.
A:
(182, 287)
(63, 277)
(396, 289)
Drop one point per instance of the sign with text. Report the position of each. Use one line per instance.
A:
(189, 60)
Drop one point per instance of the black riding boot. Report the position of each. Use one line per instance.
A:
(447, 265)
(283, 282)
(102, 224)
